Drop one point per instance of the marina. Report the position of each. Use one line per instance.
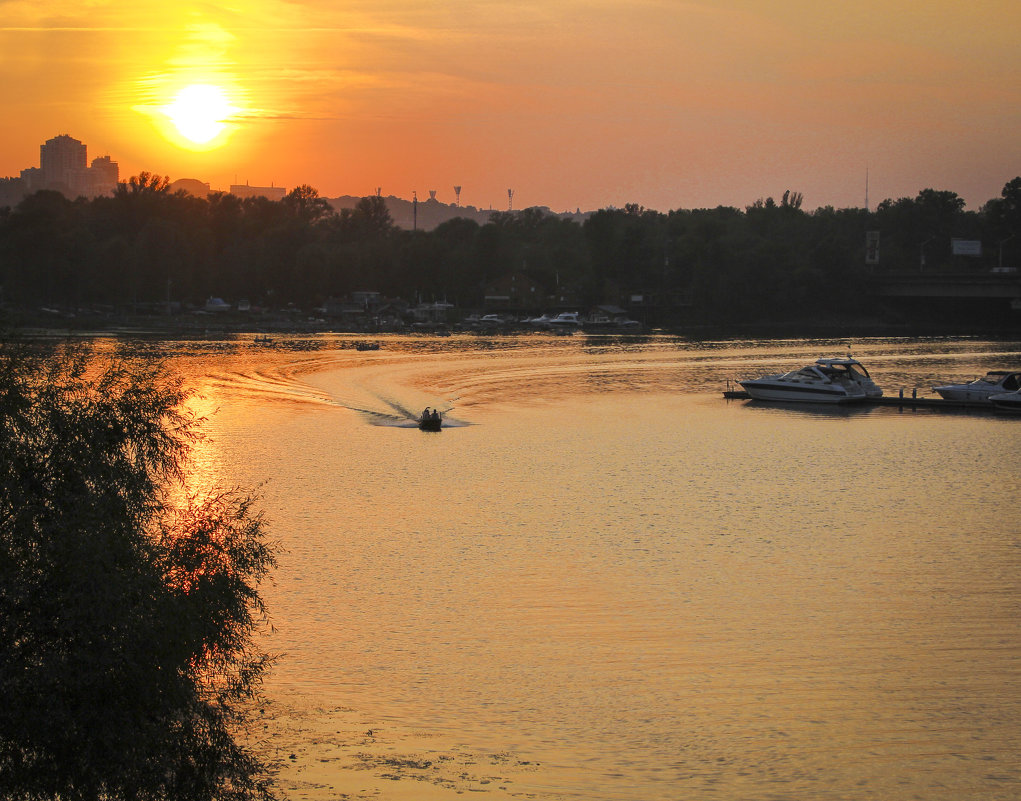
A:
(901, 399)
(846, 381)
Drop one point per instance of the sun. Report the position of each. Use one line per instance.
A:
(200, 113)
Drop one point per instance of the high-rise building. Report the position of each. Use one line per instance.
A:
(104, 175)
(63, 166)
(62, 159)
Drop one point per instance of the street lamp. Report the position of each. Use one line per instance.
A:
(999, 261)
(921, 254)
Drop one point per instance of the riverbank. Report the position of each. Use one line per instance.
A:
(190, 326)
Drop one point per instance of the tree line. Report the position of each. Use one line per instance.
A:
(146, 245)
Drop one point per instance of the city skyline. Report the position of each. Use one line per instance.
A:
(668, 105)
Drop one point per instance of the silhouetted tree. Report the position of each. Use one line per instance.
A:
(306, 205)
(128, 596)
(1004, 212)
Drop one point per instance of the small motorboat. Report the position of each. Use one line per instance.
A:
(995, 382)
(1007, 401)
(840, 380)
(430, 422)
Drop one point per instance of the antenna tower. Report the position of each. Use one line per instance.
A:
(510, 200)
(457, 196)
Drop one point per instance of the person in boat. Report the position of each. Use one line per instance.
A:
(435, 415)
(425, 414)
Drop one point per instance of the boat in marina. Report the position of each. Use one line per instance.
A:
(566, 321)
(603, 323)
(995, 382)
(1007, 401)
(542, 322)
(828, 380)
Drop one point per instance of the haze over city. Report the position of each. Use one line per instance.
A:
(571, 105)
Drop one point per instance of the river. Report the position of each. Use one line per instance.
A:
(603, 581)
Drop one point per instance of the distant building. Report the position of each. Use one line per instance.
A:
(269, 192)
(367, 299)
(104, 175)
(192, 186)
(514, 290)
(63, 159)
(63, 166)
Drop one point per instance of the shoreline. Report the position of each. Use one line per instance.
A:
(184, 327)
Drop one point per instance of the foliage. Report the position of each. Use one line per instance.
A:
(128, 604)
(145, 245)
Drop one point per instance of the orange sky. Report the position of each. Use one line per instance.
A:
(666, 103)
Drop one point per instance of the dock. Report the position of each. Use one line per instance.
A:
(900, 399)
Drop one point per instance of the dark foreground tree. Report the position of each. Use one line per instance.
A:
(129, 599)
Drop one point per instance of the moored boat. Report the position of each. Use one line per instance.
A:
(995, 382)
(1007, 401)
(566, 321)
(828, 380)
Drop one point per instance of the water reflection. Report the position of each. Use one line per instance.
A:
(825, 410)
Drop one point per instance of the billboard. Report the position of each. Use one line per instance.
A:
(872, 247)
(966, 247)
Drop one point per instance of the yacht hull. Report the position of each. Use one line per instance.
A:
(964, 395)
(767, 391)
(1007, 401)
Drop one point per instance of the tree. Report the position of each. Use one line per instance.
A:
(128, 598)
(1004, 212)
(306, 205)
(41, 242)
(145, 183)
(369, 219)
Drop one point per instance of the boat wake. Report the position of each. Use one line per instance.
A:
(284, 385)
(401, 416)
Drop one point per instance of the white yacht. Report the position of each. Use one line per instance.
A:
(568, 320)
(838, 380)
(995, 382)
(1007, 401)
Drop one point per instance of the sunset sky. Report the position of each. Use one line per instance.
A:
(665, 103)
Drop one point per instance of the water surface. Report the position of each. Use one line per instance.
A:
(604, 581)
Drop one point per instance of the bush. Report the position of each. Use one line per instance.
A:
(129, 601)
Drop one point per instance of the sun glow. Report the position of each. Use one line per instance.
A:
(201, 113)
